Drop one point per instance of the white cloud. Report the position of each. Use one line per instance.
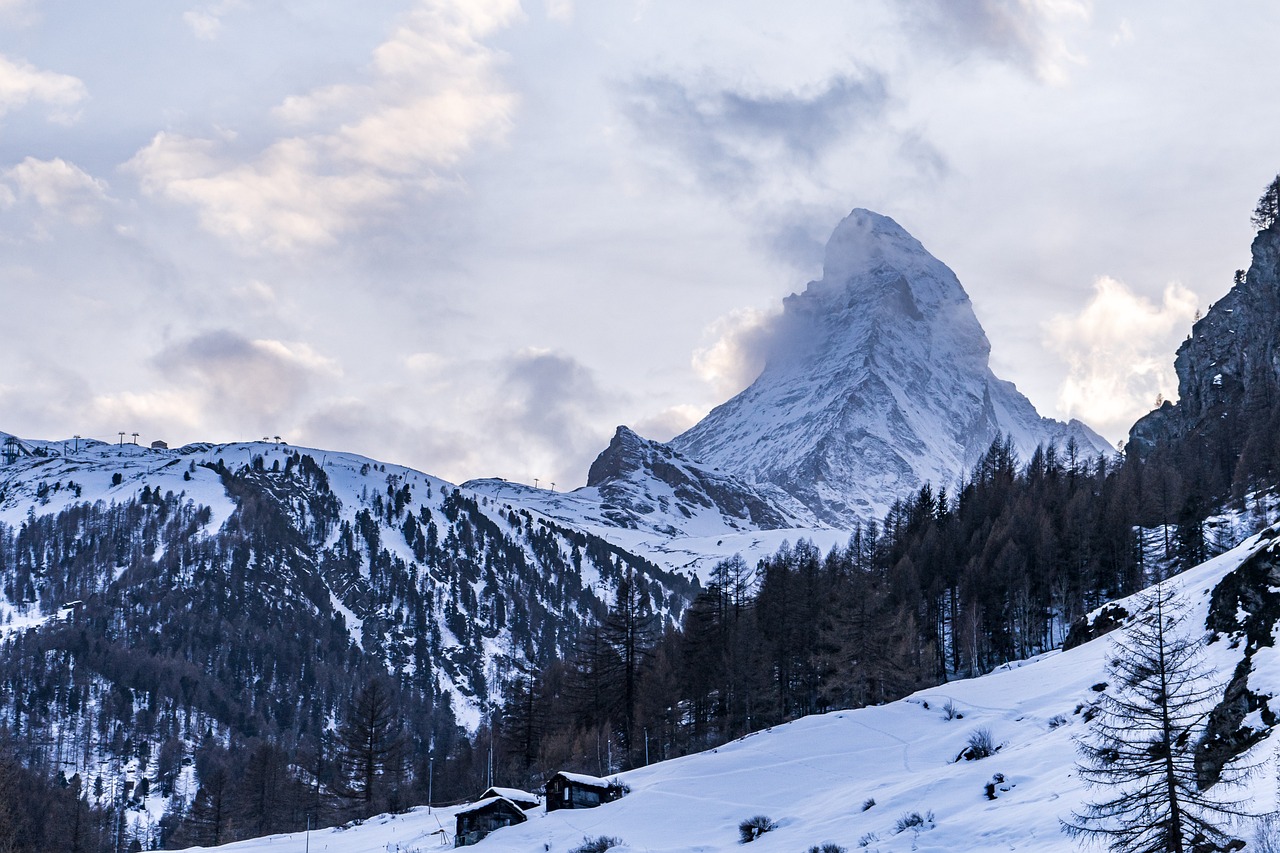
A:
(1118, 351)
(55, 186)
(733, 360)
(205, 21)
(560, 10)
(433, 94)
(22, 83)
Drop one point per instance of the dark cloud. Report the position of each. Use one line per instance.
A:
(728, 135)
(248, 382)
(550, 402)
(1018, 33)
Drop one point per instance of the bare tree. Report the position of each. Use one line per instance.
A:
(1139, 753)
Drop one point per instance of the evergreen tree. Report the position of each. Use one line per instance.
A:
(372, 749)
(1140, 750)
(1268, 209)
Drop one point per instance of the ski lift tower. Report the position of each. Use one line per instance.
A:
(10, 450)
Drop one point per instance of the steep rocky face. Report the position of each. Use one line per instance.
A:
(878, 382)
(1229, 368)
(645, 478)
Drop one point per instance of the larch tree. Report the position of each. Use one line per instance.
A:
(1139, 753)
(1268, 209)
(371, 746)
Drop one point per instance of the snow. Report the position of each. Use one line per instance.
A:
(813, 777)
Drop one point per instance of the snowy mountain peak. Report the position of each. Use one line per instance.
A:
(877, 382)
(866, 244)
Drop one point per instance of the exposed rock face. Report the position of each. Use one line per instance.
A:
(878, 383)
(646, 478)
(1230, 365)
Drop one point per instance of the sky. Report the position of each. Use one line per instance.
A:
(473, 236)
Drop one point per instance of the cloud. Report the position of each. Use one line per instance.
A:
(56, 187)
(743, 341)
(669, 423)
(1118, 353)
(251, 384)
(520, 415)
(729, 136)
(357, 150)
(22, 83)
(205, 20)
(1030, 34)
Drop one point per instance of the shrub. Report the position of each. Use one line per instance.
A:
(1057, 721)
(913, 821)
(599, 844)
(754, 827)
(868, 803)
(868, 839)
(951, 712)
(981, 745)
(828, 847)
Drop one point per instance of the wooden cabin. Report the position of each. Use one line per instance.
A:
(483, 817)
(579, 791)
(523, 799)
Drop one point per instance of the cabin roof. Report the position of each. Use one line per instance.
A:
(583, 779)
(487, 802)
(515, 795)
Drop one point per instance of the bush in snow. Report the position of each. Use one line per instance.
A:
(754, 827)
(868, 839)
(599, 844)
(951, 712)
(868, 803)
(981, 745)
(1057, 721)
(914, 821)
(828, 847)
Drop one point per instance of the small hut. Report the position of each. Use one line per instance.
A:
(523, 799)
(580, 791)
(481, 818)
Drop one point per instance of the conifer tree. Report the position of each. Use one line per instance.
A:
(372, 748)
(1139, 754)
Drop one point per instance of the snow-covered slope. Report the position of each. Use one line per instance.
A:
(878, 382)
(423, 575)
(850, 777)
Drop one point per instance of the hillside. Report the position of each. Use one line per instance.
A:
(814, 777)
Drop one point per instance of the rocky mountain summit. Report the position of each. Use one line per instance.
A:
(626, 473)
(878, 381)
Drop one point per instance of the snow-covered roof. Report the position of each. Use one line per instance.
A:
(514, 794)
(484, 804)
(584, 779)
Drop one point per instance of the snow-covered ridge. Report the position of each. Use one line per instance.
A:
(878, 382)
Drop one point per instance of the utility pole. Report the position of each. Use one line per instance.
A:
(135, 438)
(535, 482)
(122, 438)
(77, 438)
(431, 770)
(553, 487)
